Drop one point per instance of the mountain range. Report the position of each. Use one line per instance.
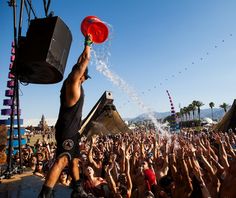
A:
(217, 114)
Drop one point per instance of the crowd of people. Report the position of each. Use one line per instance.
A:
(37, 157)
(144, 164)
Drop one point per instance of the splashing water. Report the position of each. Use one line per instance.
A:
(101, 60)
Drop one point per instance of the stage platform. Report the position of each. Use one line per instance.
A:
(27, 185)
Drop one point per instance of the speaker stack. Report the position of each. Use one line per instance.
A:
(44, 51)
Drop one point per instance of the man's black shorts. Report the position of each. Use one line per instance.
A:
(68, 146)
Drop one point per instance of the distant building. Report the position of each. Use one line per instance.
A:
(43, 124)
(42, 127)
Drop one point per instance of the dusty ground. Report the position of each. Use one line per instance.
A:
(27, 185)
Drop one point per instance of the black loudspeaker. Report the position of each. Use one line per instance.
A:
(43, 52)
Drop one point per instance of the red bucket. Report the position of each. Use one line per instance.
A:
(95, 27)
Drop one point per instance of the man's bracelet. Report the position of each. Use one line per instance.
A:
(88, 43)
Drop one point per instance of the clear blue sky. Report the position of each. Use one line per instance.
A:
(187, 47)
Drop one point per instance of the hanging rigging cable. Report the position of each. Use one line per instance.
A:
(46, 6)
(31, 8)
(28, 11)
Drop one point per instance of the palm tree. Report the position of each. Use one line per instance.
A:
(181, 114)
(194, 107)
(185, 111)
(211, 104)
(178, 115)
(189, 112)
(190, 108)
(224, 106)
(198, 105)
